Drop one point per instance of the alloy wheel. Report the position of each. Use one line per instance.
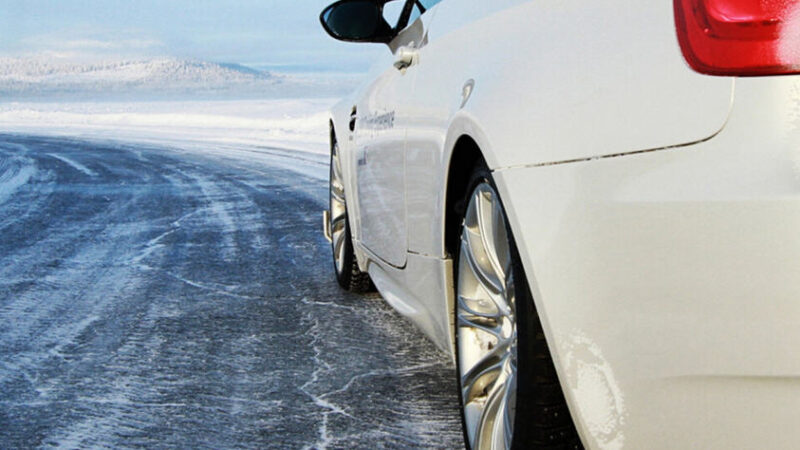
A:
(338, 207)
(486, 321)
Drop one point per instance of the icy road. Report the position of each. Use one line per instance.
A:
(183, 297)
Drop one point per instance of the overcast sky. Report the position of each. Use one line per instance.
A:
(269, 34)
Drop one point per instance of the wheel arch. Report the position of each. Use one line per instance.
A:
(465, 156)
(466, 145)
(468, 150)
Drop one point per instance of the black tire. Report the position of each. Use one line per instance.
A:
(351, 278)
(349, 275)
(541, 408)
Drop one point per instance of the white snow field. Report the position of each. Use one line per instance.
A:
(300, 124)
(164, 281)
(167, 100)
(38, 78)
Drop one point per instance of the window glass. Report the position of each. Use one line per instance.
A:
(428, 4)
(415, 13)
(392, 11)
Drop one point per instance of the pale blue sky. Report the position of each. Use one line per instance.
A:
(270, 34)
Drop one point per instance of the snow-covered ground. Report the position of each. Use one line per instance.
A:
(167, 100)
(164, 280)
(172, 297)
(42, 79)
(297, 124)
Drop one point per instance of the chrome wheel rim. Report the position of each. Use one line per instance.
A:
(338, 207)
(486, 321)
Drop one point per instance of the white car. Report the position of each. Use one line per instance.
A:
(593, 206)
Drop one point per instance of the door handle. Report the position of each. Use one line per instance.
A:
(405, 57)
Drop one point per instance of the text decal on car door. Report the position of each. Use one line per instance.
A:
(379, 121)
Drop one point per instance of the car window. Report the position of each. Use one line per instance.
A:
(399, 14)
(428, 4)
(420, 6)
(392, 11)
(415, 13)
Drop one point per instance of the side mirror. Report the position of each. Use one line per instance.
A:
(356, 21)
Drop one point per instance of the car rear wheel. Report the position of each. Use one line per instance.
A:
(348, 274)
(509, 391)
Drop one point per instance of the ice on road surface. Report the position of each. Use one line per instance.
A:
(183, 297)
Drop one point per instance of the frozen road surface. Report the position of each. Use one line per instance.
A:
(183, 297)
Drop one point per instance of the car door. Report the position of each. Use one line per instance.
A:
(382, 118)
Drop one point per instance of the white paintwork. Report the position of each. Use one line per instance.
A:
(383, 114)
(544, 95)
(676, 275)
(656, 210)
(380, 165)
(557, 80)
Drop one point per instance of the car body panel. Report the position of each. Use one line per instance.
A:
(383, 115)
(380, 165)
(557, 81)
(572, 98)
(668, 281)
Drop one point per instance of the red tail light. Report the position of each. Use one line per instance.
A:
(740, 37)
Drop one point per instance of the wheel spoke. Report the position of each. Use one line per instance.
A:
(337, 170)
(492, 415)
(337, 223)
(339, 244)
(508, 409)
(490, 225)
(466, 303)
(500, 246)
(338, 230)
(485, 278)
(337, 194)
(496, 294)
(475, 379)
(338, 238)
(477, 321)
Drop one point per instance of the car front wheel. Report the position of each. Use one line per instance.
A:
(348, 274)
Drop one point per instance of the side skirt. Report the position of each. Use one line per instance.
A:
(422, 292)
